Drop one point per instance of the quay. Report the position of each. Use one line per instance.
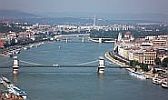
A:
(14, 50)
(12, 92)
(163, 81)
(110, 58)
(139, 74)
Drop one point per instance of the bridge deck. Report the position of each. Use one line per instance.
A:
(50, 66)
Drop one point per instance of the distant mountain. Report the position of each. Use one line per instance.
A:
(111, 16)
(82, 18)
(142, 16)
(15, 14)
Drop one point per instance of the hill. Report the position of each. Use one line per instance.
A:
(15, 14)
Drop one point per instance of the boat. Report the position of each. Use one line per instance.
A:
(16, 91)
(4, 79)
(17, 51)
(136, 74)
(1, 81)
(156, 80)
(25, 48)
(165, 83)
(10, 54)
(59, 47)
(11, 88)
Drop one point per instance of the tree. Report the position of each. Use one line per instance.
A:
(157, 61)
(154, 71)
(165, 62)
(144, 67)
(134, 63)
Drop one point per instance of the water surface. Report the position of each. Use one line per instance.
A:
(77, 83)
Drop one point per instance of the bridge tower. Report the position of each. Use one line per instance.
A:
(119, 37)
(15, 65)
(66, 40)
(83, 39)
(100, 40)
(101, 66)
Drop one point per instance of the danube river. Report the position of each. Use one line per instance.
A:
(75, 83)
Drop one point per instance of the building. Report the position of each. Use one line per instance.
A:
(144, 50)
(159, 43)
(119, 37)
(128, 37)
(150, 37)
(138, 56)
(146, 45)
(145, 56)
(149, 57)
(123, 51)
(132, 52)
(162, 53)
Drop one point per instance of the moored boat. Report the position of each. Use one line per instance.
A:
(165, 83)
(12, 89)
(1, 82)
(157, 80)
(4, 79)
(136, 74)
(16, 91)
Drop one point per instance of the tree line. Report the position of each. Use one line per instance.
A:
(135, 33)
(12, 27)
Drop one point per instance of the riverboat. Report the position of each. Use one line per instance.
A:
(136, 74)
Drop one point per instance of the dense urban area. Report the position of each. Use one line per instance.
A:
(141, 46)
(83, 49)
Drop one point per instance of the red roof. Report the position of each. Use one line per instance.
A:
(1, 44)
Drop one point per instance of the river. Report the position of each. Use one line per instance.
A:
(75, 83)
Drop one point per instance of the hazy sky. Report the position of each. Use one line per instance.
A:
(91, 6)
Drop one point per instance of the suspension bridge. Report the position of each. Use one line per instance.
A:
(101, 65)
(23, 63)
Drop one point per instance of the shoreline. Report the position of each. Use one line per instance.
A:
(14, 50)
(110, 58)
(148, 75)
(107, 55)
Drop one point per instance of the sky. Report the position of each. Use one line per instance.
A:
(87, 6)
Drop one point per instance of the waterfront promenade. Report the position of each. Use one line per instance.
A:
(77, 83)
(110, 56)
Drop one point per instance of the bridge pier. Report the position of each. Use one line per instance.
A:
(15, 65)
(83, 39)
(66, 40)
(100, 40)
(101, 66)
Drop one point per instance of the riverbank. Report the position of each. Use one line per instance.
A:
(9, 96)
(110, 57)
(14, 50)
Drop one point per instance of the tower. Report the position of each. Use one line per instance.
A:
(119, 37)
(101, 66)
(15, 65)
